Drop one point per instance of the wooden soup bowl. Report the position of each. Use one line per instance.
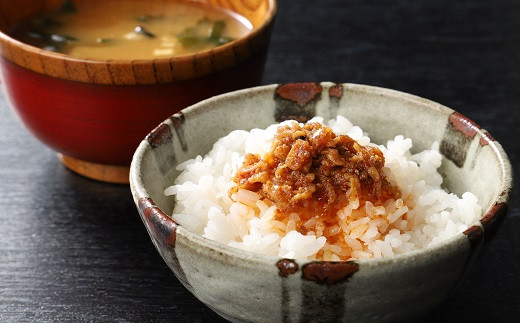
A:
(94, 113)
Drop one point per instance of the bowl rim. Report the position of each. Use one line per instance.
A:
(505, 190)
(142, 71)
(271, 13)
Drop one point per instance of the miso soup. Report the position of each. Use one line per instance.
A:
(132, 29)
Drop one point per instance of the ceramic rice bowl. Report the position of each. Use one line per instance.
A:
(243, 286)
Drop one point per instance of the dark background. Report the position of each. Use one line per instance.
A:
(75, 249)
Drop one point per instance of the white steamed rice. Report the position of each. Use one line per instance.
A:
(423, 216)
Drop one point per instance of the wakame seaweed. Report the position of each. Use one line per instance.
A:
(204, 32)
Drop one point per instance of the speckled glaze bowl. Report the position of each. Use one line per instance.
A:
(243, 286)
(94, 113)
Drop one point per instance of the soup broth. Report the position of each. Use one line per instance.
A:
(132, 29)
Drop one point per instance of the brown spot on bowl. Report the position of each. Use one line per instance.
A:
(162, 230)
(493, 219)
(474, 234)
(178, 123)
(464, 125)
(486, 139)
(300, 93)
(457, 138)
(297, 101)
(162, 226)
(286, 267)
(329, 273)
(336, 91)
(159, 135)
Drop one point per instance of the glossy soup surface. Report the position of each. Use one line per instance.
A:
(132, 29)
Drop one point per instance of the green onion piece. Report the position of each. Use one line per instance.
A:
(190, 41)
(217, 30)
(204, 33)
(189, 37)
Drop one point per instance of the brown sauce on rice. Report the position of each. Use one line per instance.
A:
(310, 172)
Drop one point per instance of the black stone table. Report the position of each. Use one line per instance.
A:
(73, 249)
